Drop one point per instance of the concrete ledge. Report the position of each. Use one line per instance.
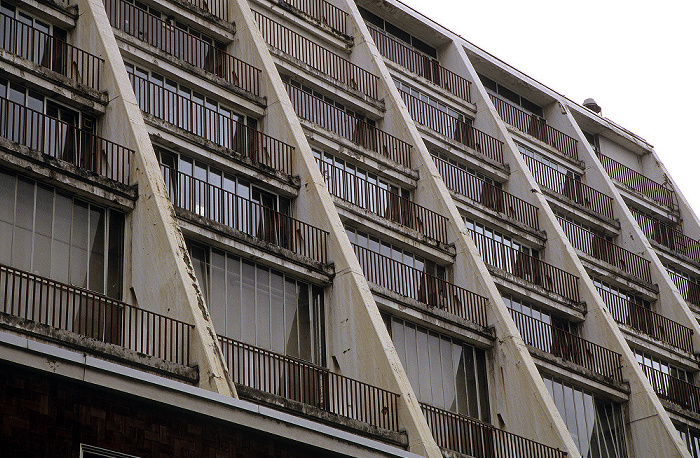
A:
(399, 439)
(100, 349)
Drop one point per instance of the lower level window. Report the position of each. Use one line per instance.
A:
(595, 423)
(57, 235)
(260, 306)
(691, 439)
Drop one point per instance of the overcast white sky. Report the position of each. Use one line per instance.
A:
(640, 60)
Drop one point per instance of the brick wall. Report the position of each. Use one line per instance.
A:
(46, 416)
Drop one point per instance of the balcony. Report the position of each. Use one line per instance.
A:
(306, 383)
(422, 287)
(604, 250)
(647, 322)
(316, 56)
(526, 267)
(382, 202)
(218, 8)
(672, 389)
(478, 190)
(537, 127)
(420, 64)
(246, 216)
(93, 315)
(569, 347)
(635, 181)
(689, 289)
(456, 129)
(472, 437)
(204, 122)
(64, 141)
(50, 52)
(174, 41)
(570, 187)
(322, 11)
(666, 235)
(345, 125)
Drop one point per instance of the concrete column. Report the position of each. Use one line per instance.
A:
(161, 276)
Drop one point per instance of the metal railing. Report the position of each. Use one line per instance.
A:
(50, 52)
(214, 126)
(535, 126)
(170, 39)
(451, 127)
(675, 390)
(421, 286)
(667, 235)
(381, 201)
(309, 384)
(638, 182)
(356, 130)
(650, 323)
(64, 141)
(478, 190)
(689, 289)
(93, 315)
(568, 346)
(316, 56)
(324, 12)
(526, 267)
(244, 215)
(473, 437)
(420, 64)
(570, 187)
(218, 8)
(606, 251)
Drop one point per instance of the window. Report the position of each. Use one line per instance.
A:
(397, 32)
(507, 94)
(187, 109)
(30, 38)
(31, 119)
(257, 305)
(365, 189)
(57, 235)
(688, 285)
(593, 140)
(691, 438)
(596, 424)
(226, 198)
(556, 177)
(443, 372)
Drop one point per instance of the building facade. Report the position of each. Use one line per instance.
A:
(326, 228)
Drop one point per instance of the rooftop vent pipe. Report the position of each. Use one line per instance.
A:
(591, 105)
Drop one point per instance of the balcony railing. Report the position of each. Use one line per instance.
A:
(356, 130)
(689, 289)
(457, 129)
(324, 12)
(93, 315)
(64, 141)
(309, 384)
(218, 8)
(478, 190)
(673, 389)
(214, 126)
(650, 323)
(316, 56)
(381, 201)
(636, 181)
(536, 127)
(50, 52)
(423, 287)
(667, 235)
(472, 437)
(526, 267)
(246, 216)
(606, 251)
(568, 346)
(570, 187)
(170, 39)
(420, 64)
